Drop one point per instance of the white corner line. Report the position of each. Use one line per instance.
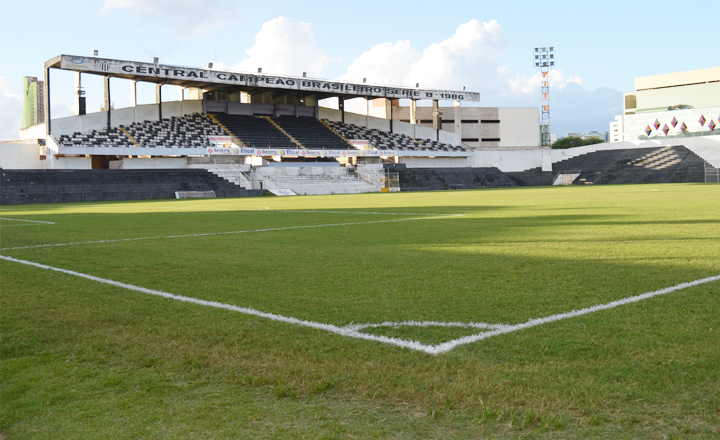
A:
(352, 330)
(440, 216)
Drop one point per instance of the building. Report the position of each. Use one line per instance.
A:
(616, 130)
(33, 97)
(672, 105)
(479, 128)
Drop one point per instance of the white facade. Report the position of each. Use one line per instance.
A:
(673, 105)
(616, 130)
(483, 127)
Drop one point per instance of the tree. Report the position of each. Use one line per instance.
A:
(575, 141)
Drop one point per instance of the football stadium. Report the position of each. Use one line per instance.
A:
(244, 262)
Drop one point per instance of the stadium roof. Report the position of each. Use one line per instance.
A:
(210, 79)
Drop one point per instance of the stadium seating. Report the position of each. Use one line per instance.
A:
(103, 138)
(190, 131)
(311, 133)
(255, 132)
(55, 186)
(643, 165)
(424, 179)
(383, 140)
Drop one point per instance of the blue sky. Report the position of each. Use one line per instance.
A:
(484, 46)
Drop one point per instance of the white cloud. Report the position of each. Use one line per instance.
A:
(10, 110)
(285, 46)
(196, 16)
(468, 58)
(386, 63)
(522, 85)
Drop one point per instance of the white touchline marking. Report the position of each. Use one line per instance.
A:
(441, 216)
(29, 221)
(352, 330)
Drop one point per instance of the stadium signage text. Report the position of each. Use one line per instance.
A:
(187, 75)
(296, 153)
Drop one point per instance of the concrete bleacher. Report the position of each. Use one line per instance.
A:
(642, 165)
(256, 132)
(189, 131)
(311, 133)
(383, 140)
(19, 187)
(425, 179)
(309, 180)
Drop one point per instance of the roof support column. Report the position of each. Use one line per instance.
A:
(158, 99)
(458, 120)
(133, 94)
(388, 112)
(46, 102)
(106, 83)
(367, 112)
(437, 119)
(80, 103)
(341, 106)
(413, 112)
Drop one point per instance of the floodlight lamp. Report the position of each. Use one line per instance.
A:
(544, 49)
(536, 49)
(155, 60)
(210, 65)
(537, 64)
(304, 74)
(552, 63)
(417, 84)
(95, 53)
(537, 57)
(364, 80)
(551, 48)
(544, 56)
(259, 69)
(463, 88)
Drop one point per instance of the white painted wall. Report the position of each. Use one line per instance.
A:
(68, 163)
(438, 162)
(519, 127)
(507, 160)
(32, 133)
(20, 157)
(154, 162)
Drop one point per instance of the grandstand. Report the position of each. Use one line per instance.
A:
(259, 132)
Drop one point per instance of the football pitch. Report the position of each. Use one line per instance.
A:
(563, 312)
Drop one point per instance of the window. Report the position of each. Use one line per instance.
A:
(469, 121)
(491, 140)
(471, 140)
(490, 121)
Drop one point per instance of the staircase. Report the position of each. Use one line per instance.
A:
(314, 180)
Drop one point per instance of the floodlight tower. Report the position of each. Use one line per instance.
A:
(544, 61)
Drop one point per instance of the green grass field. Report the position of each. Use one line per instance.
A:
(83, 358)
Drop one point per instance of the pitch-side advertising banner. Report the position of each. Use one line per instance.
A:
(298, 153)
(136, 69)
